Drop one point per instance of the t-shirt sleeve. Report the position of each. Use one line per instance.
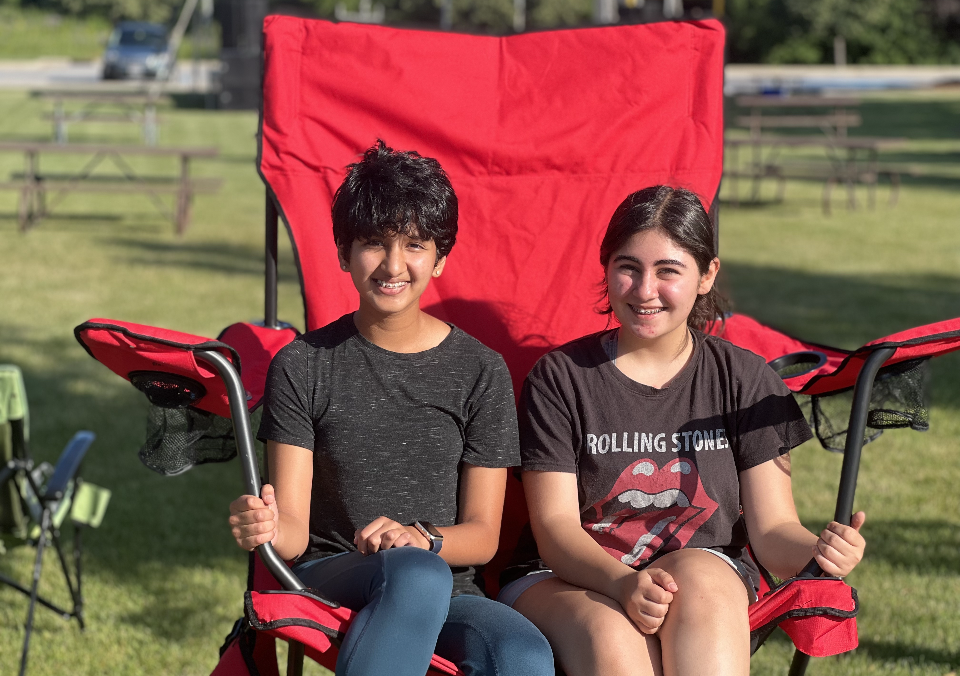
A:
(546, 422)
(490, 434)
(769, 420)
(286, 400)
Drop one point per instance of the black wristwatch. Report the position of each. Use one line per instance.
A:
(429, 531)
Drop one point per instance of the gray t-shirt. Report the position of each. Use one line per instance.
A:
(657, 469)
(388, 430)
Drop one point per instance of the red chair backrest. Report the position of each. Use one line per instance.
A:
(542, 135)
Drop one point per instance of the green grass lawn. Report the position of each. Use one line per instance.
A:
(29, 34)
(163, 579)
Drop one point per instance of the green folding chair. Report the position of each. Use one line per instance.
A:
(37, 498)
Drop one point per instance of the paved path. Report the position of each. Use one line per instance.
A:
(755, 79)
(740, 78)
(50, 73)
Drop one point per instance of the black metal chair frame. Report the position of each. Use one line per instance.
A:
(20, 472)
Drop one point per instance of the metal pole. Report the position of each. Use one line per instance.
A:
(270, 276)
(519, 15)
(799, 664)
(446, 15)
(248, 458)
(851, 464)
(855, 430)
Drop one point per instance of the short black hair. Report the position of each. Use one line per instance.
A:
(680, 215)
(395, 191)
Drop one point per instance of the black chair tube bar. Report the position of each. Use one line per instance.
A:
(851, 464)
(855, 431)
(248, 458)
(270, 276)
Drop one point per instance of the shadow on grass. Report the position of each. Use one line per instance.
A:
(894, 651)
(883, 651)
(147, 223)
(926, 547)
(914, 119)
(843, 310)
(228, 258)
(921, 157)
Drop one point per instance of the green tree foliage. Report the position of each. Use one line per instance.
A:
(875, 31)
(476, 16)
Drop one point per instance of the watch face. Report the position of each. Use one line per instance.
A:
(430, 529)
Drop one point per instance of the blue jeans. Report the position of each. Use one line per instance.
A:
(405, 614)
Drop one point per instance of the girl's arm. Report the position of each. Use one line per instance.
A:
(472, 541)
(576, 558)
(282, 514)
(779, 540)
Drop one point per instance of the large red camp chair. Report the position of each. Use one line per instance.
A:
(542, 136)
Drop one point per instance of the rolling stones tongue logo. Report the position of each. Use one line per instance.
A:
(651, 510)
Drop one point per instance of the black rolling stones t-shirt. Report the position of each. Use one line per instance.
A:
(657, 470)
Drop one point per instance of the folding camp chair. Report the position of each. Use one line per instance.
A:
(542, 136)
(36, 499)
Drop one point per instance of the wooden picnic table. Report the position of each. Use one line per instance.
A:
(134, 106)
(849, 160)
(35, 186)
(793, 112)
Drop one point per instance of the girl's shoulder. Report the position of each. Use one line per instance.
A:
(740, 367)
(330, 336)
(576, 356)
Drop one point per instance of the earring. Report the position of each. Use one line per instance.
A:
(436, 273)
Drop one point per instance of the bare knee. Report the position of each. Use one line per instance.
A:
(709, 589)
(709, 610)
(590, 633)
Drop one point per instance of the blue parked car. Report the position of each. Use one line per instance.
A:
(136, 50)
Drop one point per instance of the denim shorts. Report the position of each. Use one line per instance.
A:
(512, 591)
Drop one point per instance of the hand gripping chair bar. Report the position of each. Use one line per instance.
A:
(851, 465)
(248, 459)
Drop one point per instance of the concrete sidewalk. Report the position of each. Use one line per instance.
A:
(756, 79)
(58, 73)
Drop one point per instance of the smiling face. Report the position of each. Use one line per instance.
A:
(652, 285)
(391, 272)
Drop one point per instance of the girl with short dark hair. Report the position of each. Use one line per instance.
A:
(388, 436)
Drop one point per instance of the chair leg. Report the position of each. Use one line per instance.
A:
(894, 188)
(294, 658)
(73, 589)
(37, 567)
(77, 549)
(799, 665)
(827, 190)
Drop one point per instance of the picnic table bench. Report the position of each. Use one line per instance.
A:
(135, 106)
(40, 192)
(849, 160)
(793, 112)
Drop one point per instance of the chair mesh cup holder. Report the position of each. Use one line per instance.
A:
(898, 399)
(180, 436)
(168, 390)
